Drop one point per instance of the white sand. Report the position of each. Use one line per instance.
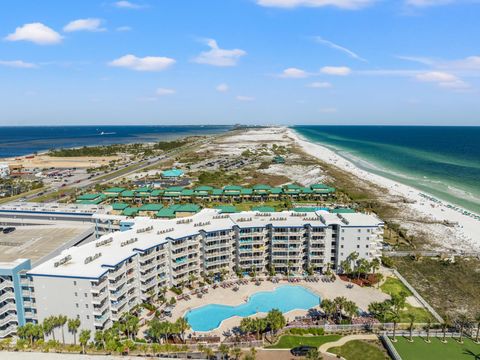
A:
(464, 235)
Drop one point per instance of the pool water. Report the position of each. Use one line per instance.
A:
(284, 298)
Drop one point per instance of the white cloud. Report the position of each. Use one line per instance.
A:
(147, 63)
(89, 24)
(332, 45)
(219, 57)
(343, 4)
(124, 28)
(245, 98)
(320, 85)
(222, 88)
(443, 79)
(293, 73)
(468, 63)
(164, 92)
(18, 64)
(127, 5)
(37, 33)
(336, 70)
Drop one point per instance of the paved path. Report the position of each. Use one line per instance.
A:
(323, 348)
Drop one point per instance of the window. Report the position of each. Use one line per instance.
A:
(74, 283)
(76, 305)
(88, 317)
(86, 306)
(359, 230)
(366, 246)
(341, 246)
(358, 246)
(358, 238)
(343, 238)
(85, 294)
(76, 294)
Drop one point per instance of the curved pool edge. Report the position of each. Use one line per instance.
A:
(278, 286)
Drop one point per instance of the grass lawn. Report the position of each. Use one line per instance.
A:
(393, 286)
(291, 341)
(360, 350)
(436, 350)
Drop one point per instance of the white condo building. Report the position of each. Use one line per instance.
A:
(99, 281)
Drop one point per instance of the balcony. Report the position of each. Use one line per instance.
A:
(8, 307)
(8, 318)
(7, 295)
(6, 283)
(8, 331)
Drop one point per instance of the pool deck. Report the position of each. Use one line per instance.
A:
(325, 290)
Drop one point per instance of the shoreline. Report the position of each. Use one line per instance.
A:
(420, 203)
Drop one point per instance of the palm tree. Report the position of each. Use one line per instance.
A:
(375, 265)
(275, 320)
(48, 326)
(61, 321)
(411, 317)
(394, 316)
(346, 267)
(350, 309)
(428, 326)
(73, 325)
(445, 325)
(477, 320)
(99, 339)
(340, 302)
(236, 352)
(224, 350)
(84, 338)
(328, 307)
(463, 322)
(182, 325)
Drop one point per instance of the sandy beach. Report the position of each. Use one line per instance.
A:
(443, 225)
(463, 236)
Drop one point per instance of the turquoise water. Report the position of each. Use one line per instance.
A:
(439, 160)
(284, 298)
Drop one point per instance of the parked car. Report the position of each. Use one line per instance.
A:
(302, 350)
(8, 230)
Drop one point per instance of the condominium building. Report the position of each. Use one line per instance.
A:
(99, 281)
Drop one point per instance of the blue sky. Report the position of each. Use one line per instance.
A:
(239, 61)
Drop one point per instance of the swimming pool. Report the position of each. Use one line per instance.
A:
(285, 298)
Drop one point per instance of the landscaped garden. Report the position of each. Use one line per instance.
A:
(360, 350)
(436, 350)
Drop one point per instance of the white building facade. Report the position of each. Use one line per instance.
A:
(99, 281)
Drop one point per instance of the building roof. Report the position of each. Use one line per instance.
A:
(172, 173)
(188, 208)
(130, 211)
(119, 206)
(232, 188)
(151, 207)
(150, 233)
(89, 196)
(261, 187)
(143, 189)
(127, 193)
(342, 211)
(227, 209)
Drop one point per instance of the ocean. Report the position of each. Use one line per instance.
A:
(441, 161)
(23, 140)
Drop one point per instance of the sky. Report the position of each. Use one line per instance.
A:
(239, 61)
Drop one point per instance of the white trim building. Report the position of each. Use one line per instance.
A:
(99, 281)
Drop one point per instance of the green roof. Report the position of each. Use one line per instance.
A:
(262, 187)
(167, 212)
(188, 208)
(304, 209)
(319, 186)
(276, 190)
(232, 188)
(307, 190)
(115, 190)
(174, 188)
(151, 207)
(157, 192)
(88, 196)
(246, 191)
(217, 192)
(187, 192)
(127, 193)
(342, 211)
(263, 208)
(130, 211)
(172, 173)
(119, 206)
(227, 209)
(203, 188)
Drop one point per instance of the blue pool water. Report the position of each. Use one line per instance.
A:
(284, 298)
